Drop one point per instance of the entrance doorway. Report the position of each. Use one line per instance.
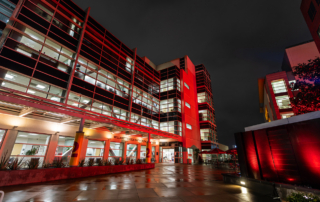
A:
(168, 155)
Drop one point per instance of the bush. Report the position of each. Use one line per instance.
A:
(302, 197)
(100, 162)
(33, 164)
(59, 163)
(4, 162)
(91, 162)
(16, 164)
(46, 165)
(81, 163)
(107, 162)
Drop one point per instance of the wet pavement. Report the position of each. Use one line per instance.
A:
(165, 183)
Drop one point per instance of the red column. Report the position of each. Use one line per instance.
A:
(77, 146)
(149, 149)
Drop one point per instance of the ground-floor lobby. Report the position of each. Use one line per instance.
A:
(167, 182)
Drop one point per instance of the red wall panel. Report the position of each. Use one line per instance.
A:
(265, 157)
(251, 154)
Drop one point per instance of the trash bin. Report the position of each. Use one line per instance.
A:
(189, 161)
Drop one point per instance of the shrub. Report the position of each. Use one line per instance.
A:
(139, 161)
(81, 163)
(15, 164)
(46, 165)
(4, 162)
(91, 162)
(118, 162)
(302, 197)
(33, 163)
(59, 163)
(107, 162)
(100, 162)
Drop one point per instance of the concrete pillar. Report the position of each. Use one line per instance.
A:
(106, 150)
(51, 150)
(8, 142)
(149, 149)
(78, 145)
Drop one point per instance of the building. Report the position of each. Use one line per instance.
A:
(67, 82)
(275, 89)
(311, 12)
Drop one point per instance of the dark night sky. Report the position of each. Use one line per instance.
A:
(237, 41)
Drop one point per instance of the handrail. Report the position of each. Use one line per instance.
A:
(2, 195)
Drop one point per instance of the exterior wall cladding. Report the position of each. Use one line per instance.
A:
(311, 12)
(64, 58)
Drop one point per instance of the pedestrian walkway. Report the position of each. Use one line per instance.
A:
(165, 183)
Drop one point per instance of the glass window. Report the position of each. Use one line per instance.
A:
(173, 127)
(189, 126)
(115, 150)
(279, 86)
(2, 132)
(170, 84)
(131, 152)
(186, 85)
(14, 81)
(283, 102)
(143, 151)
(95, 150)
(188, 105)
(30, 146)
(64, 149)
(287, 115)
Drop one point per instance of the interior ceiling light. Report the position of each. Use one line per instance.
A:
(9, 76)
(40, 86)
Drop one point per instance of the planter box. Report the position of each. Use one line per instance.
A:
(18, 177)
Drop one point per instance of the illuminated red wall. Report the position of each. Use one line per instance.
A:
(286, 154)
(312, 25)
(190, 116)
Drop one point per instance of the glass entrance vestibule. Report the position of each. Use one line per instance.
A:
(171, 155)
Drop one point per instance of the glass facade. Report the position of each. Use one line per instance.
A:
(115, 150)
(143, 151)
(174, 127)
(95, 150)
(207, 135)
(30, 146)
(64, 148)
(204, 97)
(132, 152)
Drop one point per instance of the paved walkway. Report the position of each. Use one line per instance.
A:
(165, 183)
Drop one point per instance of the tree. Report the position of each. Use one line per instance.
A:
(308, 84)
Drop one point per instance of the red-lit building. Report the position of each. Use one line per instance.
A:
(275, 89)
(62, 72)
(311, 12)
